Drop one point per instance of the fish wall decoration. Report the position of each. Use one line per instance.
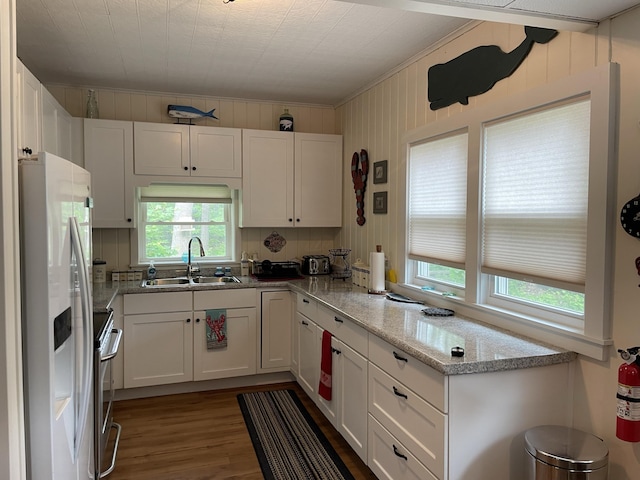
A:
(183, 112)
(477, 71)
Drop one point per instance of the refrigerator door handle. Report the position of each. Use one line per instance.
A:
(85, 296)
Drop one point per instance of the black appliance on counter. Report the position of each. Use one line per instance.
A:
(107, 342)
(268, 270)
(316, 265)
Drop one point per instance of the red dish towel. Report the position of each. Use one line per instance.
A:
(324, 389)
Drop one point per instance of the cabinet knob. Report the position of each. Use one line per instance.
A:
(291, 219)
(186, 168)
(197, 320)
(336, 351)
(193, 168)
(129, 220)
(27, 150)
(297, 219)
(188, 320)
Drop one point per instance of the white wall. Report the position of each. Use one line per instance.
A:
(113, 245)
(376, 120)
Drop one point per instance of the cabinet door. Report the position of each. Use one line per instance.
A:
(108, 155)
(237, 358)
(318, 180)
(330, 407)
(276, 330)
(216, 152)
(30, 105)
(351, 396)
(309, 362)
(267, 179)
(49, 122)
(158, 349)
(161, 149)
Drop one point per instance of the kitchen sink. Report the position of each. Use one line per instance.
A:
(165, 282)
(215, 280)
(179, 281)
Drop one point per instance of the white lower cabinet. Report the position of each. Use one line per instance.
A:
(347, 409)
(350, 391)
(413, 421)
(309, 360)
(237, 358)
(390, 460)
(275, 346)
(165, 337)
(158, 349)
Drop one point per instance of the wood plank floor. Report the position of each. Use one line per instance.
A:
(198, 436)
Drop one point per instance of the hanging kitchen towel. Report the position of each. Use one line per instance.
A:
(216, 328)
(324, 389)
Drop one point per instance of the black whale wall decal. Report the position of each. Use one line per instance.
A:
(478, 70)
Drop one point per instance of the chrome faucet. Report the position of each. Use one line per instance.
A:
(190, 268)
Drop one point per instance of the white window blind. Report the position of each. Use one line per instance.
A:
(535, 193)
(438, 200)
(185, 193)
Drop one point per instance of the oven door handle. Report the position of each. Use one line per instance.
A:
(114, 346)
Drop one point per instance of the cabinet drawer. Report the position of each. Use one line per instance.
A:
(344, 329)
(230, 298)
(417, 424)
(157, 302)
(390, 460)
(307, 306)
(420, 378)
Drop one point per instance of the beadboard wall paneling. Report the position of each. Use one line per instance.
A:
(377, 119)
(114, 246)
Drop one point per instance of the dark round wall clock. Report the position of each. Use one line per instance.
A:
(630, 217)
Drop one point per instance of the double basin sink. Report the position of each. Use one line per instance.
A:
(185, 281)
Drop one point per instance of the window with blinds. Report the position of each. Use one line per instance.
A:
(170, 215)
(509, 211)
(437, 208)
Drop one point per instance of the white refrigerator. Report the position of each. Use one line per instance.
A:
(57, 325)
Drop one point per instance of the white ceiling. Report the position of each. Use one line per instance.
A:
(307, 51)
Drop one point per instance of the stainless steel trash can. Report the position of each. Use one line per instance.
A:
(562, 453)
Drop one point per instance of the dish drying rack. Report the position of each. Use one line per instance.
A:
(340, 267)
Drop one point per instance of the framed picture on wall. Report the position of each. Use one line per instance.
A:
(380, 171)
(380, 202)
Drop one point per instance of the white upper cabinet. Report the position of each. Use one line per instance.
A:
(56, 127)
(291, 179)
(108, 155)
(29, 112)
(177, 150)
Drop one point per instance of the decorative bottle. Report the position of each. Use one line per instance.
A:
(286, 121)
(92, 104)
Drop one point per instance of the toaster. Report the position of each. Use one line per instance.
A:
(316, 265)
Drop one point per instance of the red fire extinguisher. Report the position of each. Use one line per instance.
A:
(628, 396)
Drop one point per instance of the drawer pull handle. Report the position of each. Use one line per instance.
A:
(398, 357)
(339, 320)
(336, 351)
(399, 393)
(304, 323)
(304, 300)
(398, 454)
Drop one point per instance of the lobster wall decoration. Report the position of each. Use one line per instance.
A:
(359, 173)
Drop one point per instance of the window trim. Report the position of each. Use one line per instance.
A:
(601, 85)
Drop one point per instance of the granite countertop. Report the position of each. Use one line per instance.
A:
(429, 339)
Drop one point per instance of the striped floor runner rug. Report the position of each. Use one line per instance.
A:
(288, 443)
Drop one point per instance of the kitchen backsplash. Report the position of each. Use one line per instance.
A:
(113, 245)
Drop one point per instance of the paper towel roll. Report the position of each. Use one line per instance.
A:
(376, 275)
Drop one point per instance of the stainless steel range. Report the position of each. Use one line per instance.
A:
(107, 342)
